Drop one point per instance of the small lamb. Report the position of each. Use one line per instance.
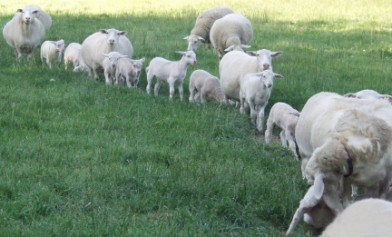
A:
(231, 32)
(110, 66)
(52, 51)
(72, 55)
(130, 70)
(24, 32)
(205, 86)
(255, 91)
(173, 72)
(285, 117)
(201, 30)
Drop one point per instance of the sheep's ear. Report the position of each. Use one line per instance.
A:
(19, 10)
(350, 95)
(245, 46)
(230, 48)
(104, 31)
(277, 75)
(318, 186)
(252, 53)
(35, 12)
(122, 33)
(276, 54)
(200, 38)
(186, 37)
(180, 52)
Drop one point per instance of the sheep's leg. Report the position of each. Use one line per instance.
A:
(157, 87)
(203, 98)
(259, 118)
(191, 94)
(149, 81)
(268, 131)
(299, 213)
(242, 105)
(283, 139)
(181, 91)
(107, 79)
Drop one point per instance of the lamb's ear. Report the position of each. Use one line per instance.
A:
(181, 52)
(186, 37)
(122, 33)
(104, 31)
(276, 54)
(277, 75)
(230, 48)
(350, 95)
(252, 53)
(318, 186)
(245, 46)
(19, 10)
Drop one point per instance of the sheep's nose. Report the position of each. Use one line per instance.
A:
(269, 85)
(266, 66)
(111, 41)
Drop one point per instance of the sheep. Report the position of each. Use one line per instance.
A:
(44, 17)
(285, 117)
(103, 42)
(343, 142)
(369, 217)
(72, 55)
(236, 63)
(51, 52)
(24, 32)
(110, 66)
(201, 30)
(173, 72)
(231, 32)
(369, 94)
(130, 70)
(255, 91)
(205, 86)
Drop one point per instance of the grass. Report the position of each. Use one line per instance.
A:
(79, 158)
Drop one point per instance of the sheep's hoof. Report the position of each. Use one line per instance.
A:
(258, 133)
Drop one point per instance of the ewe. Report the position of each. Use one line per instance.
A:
(255, 91)
(173, 72)
(236, 63)
(285, 117)
(203, 86)
(201, 30)
(24, 32)
(103, 42)
(231, 32)
(52, 51)
(343, 142)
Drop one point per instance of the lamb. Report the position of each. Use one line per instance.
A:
(173, 72)
(236, 63)
(201, 30)
(285, 117)
(343, 142)
(24, 32)
(130, 70)
(103, 42)
(205, 86)
(72, 55)
(110, 66)
(231, 32)
(369, 217)
(44, 17)
(51, 52)
(369, 94)
(255, 91)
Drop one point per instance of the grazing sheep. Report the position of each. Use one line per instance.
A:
(285, 117)
(231, 32)
(52, 51)
(72, 55)
(369, 217)
(24, 32)
(173, 72)
(130, 70)
(110, 66)
(205, 86)
(344, 142)
(201, 29)
(236, 63)
(255, 91)
(103, 42)
(369, 94)
(44, 17)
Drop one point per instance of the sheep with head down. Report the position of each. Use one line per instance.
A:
(343, 142)
(203, 86)
(103, 42)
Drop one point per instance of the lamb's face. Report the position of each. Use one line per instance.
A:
(190, 57)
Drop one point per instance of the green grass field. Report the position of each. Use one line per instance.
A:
(80, 158)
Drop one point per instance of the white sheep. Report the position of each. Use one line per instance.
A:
(43, 16)
(52, 51)
(201, 30)
(369, 94)
(173, 72)
(205, 86)
(285, 117)
(231, 32)
(103, 42)
(236, 63)
(368, 217)
(109, 65)
(343, 142)
(130, 70)
(255, 91)
(72, 55)
(24, 32)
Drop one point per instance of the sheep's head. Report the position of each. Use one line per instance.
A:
(27, 15)
(267, 77)
(113, 58)
(112, 35)
(194, 41)
(264, 58)
(137, 65)
(59, 46)
(189, 56)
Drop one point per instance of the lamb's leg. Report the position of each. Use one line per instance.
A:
(149, 81)
(268, 131)
(157, 87)
(260, 118)
(283, 138)
(181, 91)
(171, 89)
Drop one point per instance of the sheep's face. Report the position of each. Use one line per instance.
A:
(27, 16)
(112, 36)
(267, 77)
(137, 65)
(60, 46)
(264, 58)
(190, 57)
(194, 42)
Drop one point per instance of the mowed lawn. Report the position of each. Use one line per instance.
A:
(81, 158)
